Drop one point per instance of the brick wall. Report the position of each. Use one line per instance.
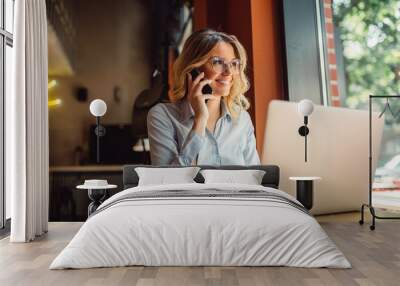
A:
(331, 54)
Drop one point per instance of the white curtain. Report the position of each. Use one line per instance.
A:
(27, 124)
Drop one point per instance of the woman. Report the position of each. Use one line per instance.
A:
(205, 129)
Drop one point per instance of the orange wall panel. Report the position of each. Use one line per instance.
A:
(200, 15)
(267, 57)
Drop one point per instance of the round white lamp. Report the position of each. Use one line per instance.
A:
(305, 107)
(98, 108)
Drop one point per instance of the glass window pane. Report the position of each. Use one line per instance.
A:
(367, 62)
(9, 13)
(1, 134)
(9, 69)
(1, 14)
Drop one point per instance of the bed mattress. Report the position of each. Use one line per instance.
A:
(201, 225)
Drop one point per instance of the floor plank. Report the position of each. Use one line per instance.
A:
(375, 257)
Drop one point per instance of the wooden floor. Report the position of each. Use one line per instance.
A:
(374, 255)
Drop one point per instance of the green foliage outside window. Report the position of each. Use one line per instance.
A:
(369, 31)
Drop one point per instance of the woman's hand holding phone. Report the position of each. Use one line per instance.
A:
(206, 88)
(198, 102)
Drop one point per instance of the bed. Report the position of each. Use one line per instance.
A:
(198, 224)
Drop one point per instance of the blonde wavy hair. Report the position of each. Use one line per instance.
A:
(196, 52)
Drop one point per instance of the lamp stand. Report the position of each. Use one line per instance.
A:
(304, 131)
(99, 131)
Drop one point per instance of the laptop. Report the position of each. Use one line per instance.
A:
(338, 151)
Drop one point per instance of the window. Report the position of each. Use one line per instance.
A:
(305, 50)
(367, 48)
(9, 16)
(365, 60)
(6, 66)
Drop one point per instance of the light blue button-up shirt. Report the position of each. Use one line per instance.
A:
(172, 141)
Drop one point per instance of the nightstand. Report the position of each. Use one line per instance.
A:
(304, 190)
(97, 190)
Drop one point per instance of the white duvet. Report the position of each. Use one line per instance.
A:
(200, 231)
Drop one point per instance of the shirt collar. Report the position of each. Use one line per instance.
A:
(188, 113)
(225, 110)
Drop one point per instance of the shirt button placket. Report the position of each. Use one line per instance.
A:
(217, 155)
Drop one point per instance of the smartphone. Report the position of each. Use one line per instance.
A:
(207, 88)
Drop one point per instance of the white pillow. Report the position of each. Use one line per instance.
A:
(163, 176)
(248, 177)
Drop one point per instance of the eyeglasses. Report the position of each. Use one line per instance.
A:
(219, 65)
